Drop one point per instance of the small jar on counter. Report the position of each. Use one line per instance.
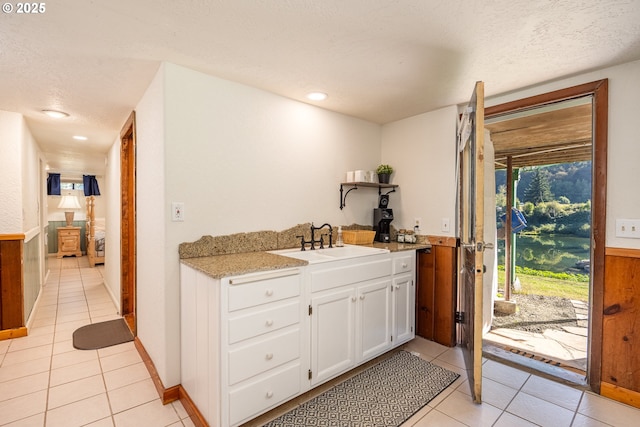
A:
(401, 235)
(409, 237)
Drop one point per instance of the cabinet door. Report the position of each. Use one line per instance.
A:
(373, 330)
(403, 296)
(332, 334)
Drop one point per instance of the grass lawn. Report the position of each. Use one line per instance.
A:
(537, 285)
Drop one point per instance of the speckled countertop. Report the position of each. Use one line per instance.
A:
(219, 266)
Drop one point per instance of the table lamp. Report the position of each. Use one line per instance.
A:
(69, 204)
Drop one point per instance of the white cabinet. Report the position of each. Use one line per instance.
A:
(252, 342)
(244, 348)
(403, 296)
(373, 328)
(350, 314)
(333, 316)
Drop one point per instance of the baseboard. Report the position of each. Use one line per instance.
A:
(171, 394)
(620, 394)
(7, 334)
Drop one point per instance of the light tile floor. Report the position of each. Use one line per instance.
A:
(44, 381)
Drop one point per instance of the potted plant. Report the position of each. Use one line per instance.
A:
(384, 172)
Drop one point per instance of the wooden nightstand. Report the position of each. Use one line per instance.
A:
(69, 241)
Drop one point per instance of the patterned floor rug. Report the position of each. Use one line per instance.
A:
(387, 394)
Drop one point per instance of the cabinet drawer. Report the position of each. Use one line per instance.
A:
(403, 264)
(250, 360)
(329, 278)
(257, 396)
(69, 233)
(264, 321)
(251, 292)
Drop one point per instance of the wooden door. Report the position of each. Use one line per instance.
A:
(128, 222)
(471, 232)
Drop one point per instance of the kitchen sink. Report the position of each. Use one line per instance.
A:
(330, 254)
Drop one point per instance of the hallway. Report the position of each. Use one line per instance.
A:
(45, 382)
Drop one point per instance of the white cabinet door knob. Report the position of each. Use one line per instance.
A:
(269, 394)
(354, 299)
(269, 322)
(404, 265)
(269, 356)
(269, 292)
(361, 297)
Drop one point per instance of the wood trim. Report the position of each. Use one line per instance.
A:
(171, 394)
(7, 334)
(443, 241)
(128, 241)
(12, 236)
(620, 394)
(600, 91)
(623, 252)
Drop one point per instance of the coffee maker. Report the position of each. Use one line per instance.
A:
(382, 217)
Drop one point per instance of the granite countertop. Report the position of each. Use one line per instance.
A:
(219, 266)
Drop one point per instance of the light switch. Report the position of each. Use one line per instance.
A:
(629, 228)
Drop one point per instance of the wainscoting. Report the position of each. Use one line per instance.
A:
(621, 336)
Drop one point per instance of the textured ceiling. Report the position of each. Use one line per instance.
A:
(380, 60)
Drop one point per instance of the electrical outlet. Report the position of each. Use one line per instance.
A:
(177, 211)
(445, 225)
(629, 228)
(417, 222)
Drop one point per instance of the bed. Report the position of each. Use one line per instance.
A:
(95, 234)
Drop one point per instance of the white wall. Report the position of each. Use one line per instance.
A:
(241, 159)
(11, 173)
(110, 200)
(623, 201)
(422, 150)
(30, 180)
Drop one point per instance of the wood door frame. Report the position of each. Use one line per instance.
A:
(128, 222)
(599, 90)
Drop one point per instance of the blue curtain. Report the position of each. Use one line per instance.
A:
(90, 185)
(53, 184)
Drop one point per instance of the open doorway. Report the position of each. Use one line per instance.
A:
(544, 260)
(580, 112)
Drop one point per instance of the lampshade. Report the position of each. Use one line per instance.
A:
(69, 202)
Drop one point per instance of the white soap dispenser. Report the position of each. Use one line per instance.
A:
(339, 242)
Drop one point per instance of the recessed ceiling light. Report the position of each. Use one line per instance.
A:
(317, 96)
(80, 138)
(55, 114)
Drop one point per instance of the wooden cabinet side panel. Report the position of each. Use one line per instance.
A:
(11, 292)
(445, 295)
(621, 322)
(425, 295)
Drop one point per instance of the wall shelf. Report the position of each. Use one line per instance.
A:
(356, 185)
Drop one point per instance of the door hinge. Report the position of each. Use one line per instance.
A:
(309, 373)
(459, 317)
(391, 338)
(310, 310)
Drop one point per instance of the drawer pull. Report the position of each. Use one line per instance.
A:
(404, 265)
(269, 292)
(269, 322)
(269, 394)
(269, 356)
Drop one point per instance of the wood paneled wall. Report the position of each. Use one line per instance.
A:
(621, 326)
(11, 281)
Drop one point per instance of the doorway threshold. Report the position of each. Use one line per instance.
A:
(570, 377)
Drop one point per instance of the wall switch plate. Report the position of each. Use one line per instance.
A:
(445, 225)
(629, 228)
(177, 211)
